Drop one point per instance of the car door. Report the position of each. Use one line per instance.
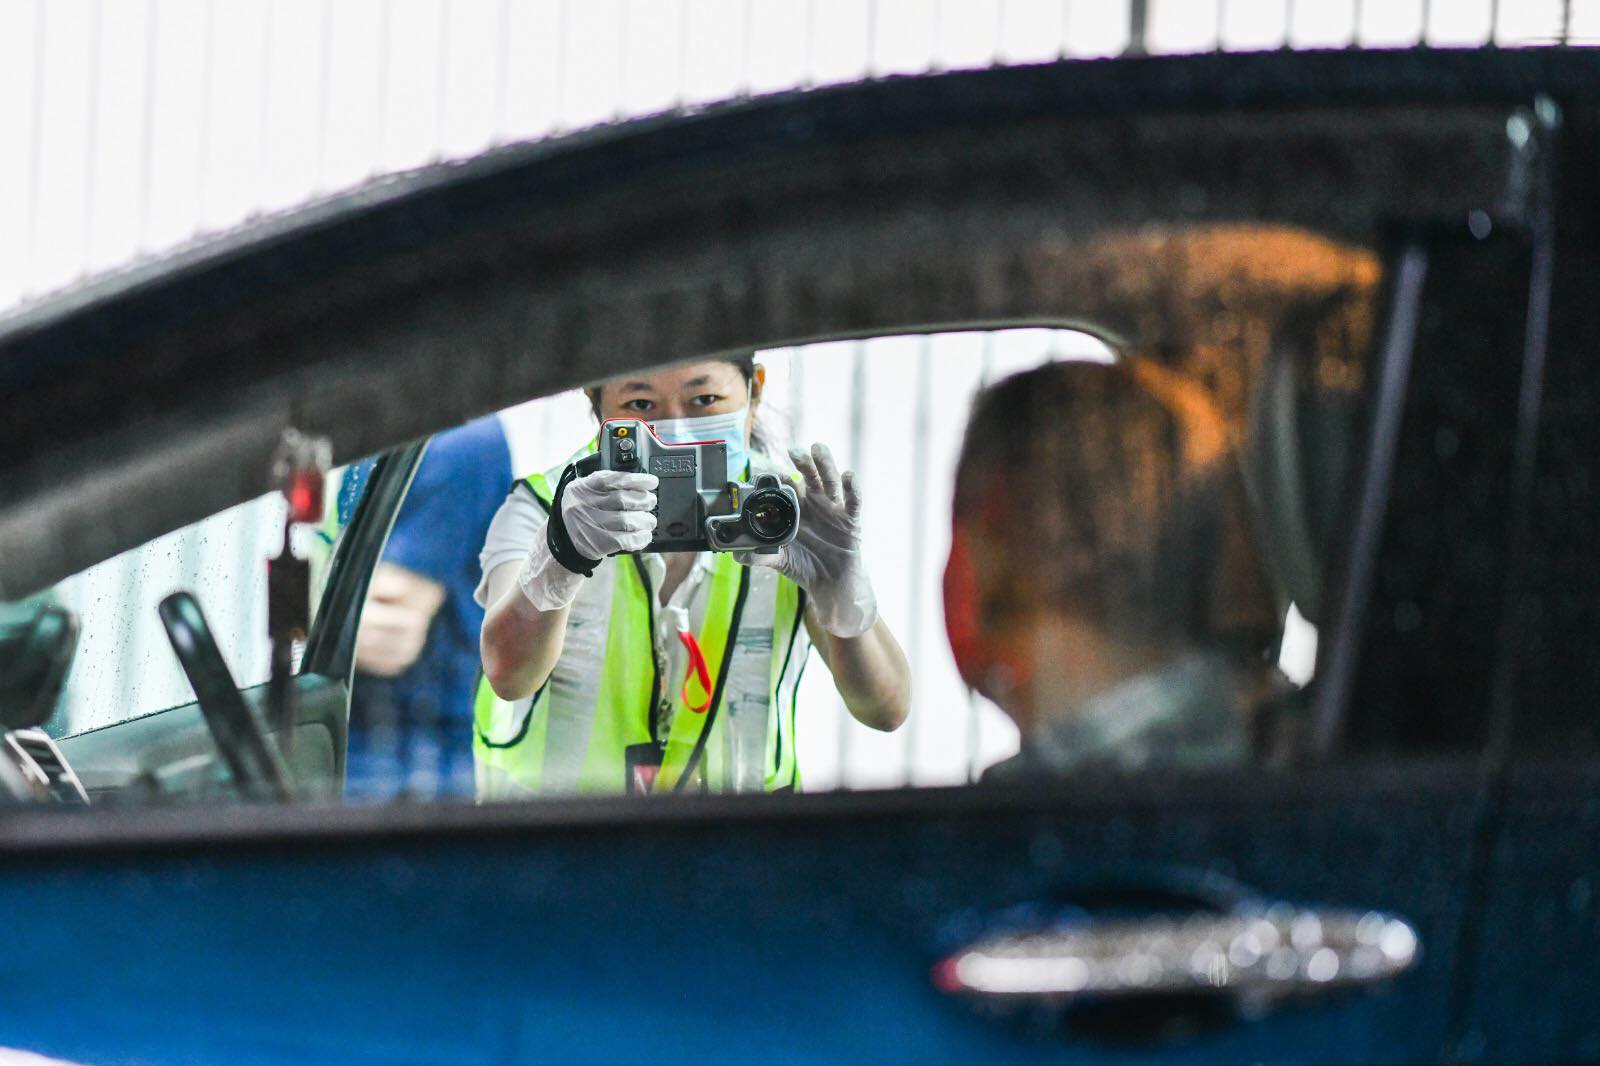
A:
(830, 927)
(1532, 954)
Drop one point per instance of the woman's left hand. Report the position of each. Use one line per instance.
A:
(825, 556)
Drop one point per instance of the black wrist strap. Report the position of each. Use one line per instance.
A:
(555, 533)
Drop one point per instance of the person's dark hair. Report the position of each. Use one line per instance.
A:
(1108, 493)
(746, 362)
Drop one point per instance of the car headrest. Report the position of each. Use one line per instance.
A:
(1296, 459)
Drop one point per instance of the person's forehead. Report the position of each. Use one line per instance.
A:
(678, 379)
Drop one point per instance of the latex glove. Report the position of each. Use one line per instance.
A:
(605, 512)
(825, 556)
(608, 512)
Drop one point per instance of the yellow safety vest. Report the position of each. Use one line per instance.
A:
(584, 730)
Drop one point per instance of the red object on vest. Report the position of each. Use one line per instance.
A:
(697, 671)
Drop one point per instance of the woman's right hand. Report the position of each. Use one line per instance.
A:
(602, 513)
(608, 511)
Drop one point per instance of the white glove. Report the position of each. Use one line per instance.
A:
(605, 512)
(825, 556)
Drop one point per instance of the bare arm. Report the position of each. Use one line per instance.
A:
(870, 672)
(400, 607)
(519, 643)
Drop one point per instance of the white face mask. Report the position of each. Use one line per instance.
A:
(728, 427)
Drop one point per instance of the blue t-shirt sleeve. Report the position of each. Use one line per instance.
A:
(460, 483)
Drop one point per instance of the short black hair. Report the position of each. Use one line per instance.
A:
(1087, 495)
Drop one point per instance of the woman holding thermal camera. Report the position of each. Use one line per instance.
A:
(612, 668)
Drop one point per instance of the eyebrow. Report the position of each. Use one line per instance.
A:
(644, 386)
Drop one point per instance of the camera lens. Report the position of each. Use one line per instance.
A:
(768, 515)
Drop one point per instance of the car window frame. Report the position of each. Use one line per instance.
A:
(333, 652)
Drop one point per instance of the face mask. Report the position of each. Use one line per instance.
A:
(728, 428)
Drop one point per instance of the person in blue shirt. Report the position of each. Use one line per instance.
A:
(417, 652)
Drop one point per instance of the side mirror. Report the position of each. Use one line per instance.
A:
(37, 643)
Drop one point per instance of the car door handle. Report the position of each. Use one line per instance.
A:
(1256, 954)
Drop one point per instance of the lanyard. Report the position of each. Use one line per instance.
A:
(695, 671)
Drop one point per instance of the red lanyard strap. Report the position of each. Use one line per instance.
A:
(696, 671)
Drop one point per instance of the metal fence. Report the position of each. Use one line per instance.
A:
(130, 126)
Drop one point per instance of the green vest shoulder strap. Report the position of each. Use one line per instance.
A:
(539, 487)
(543, 484)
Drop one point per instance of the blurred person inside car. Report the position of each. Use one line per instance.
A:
(610, 668)
(1102, 586)
(417, 648)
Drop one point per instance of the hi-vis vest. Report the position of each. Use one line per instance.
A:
(591, 723)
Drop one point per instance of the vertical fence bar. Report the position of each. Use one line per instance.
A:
(35, 148)
(249, 556)
(748, 45)
(124, 679)
(148, 118)
(208, 77)
(91, 130)
(380, 147)
(858, 430)
(973, 736)
(558, 92)
(263, 158)
(797, 386)
(808, 71)
(319, 177)
(441, 81)
(873, 69)
(620, 109)
(502, 75)
(683, 55)
(1138, 25)
(920, 433)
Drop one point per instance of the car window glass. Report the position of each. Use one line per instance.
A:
(1072, 554)
(1166, 544)
(124, 665)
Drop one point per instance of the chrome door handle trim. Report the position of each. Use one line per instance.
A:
(1279, 950)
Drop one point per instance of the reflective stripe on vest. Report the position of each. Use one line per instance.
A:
(573, 734)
